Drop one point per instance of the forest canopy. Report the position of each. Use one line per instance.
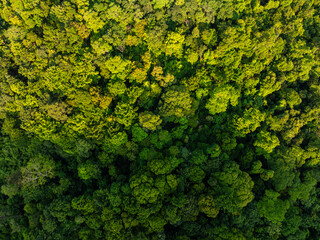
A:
(159, 119)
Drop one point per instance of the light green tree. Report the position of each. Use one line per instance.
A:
(266, 142)
(149, 120)
(38, 170)
(221, 97)
(176, 102)
(249, 121)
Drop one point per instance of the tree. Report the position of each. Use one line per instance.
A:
(164, 166)
(88, 170)
(273, 208)
(232, 188)
(221, 97)
(125, 114)
(38, 170)
(143, 189)
(138, 134)
(118, 66)
(207, 206)
(176, 102)
(174, 44)
(292, 97)
(249, 122)
(266, 142)
(59, 111)
(149, 120)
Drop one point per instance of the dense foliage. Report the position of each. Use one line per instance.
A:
(160, 119)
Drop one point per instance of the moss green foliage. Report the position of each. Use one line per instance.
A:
(159, 119)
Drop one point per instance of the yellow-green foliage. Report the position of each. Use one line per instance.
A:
(159, 119)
